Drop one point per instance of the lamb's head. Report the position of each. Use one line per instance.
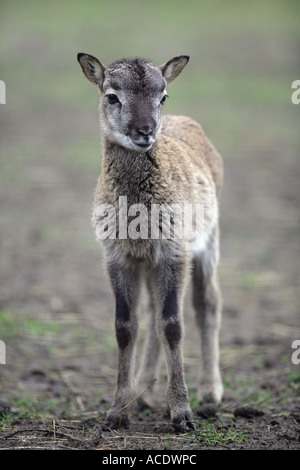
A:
(132, 92)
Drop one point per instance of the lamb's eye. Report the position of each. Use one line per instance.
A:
(163, 99)
(112, 99)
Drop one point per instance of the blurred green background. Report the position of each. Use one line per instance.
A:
(244, 58)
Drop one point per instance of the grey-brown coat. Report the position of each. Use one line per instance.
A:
(153, 162)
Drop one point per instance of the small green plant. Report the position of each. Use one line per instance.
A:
(222, 436)
(12, 325)
(8, 325)
(295, 377)
(26, 406)
(249, 281)
(6, 420)
(260, 397)
(169, 445)
(284, 414)
(294, 382)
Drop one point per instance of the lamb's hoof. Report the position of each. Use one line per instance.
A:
(184, 422)
(207, 410)
(117, 421)
(211, 393)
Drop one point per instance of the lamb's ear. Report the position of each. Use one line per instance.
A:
(173, 67)
(92, 68)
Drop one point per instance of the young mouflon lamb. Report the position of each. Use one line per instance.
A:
(150, 163)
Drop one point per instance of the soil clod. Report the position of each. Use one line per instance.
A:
(247, 412)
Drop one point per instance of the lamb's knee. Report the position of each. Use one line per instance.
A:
(123, 335)
(125, 326)
(171, 321)
(206, 295)
(122, 309)
(173, 334)
(170, 308)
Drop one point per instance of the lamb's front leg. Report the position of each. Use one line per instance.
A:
(125, 287)
(170, 328)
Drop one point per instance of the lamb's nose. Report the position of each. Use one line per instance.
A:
(145, 131)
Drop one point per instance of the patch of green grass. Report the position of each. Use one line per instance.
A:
(26, 406)
(40, 328)
(6, 420)
(284, 414)
(235, 383)
(220, 435)
(294, 382)
(249, 281)
(285, 359)
(8, 325)
(148, 413)
(260, 397)
(11, 325)
(295, 377)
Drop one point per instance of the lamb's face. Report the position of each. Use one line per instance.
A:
(134, 91)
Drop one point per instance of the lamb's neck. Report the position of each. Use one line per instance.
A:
(114, 152)
(131, 173)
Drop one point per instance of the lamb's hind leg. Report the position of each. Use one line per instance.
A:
(126, 286)
(148, 371)
(207, 303)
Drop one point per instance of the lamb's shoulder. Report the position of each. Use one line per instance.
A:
(196, 148)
